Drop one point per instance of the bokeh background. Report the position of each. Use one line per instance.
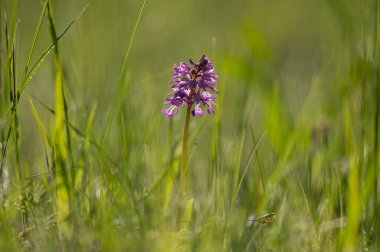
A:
(294, 137)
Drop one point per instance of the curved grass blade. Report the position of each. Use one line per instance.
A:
(29, 75)
(247, 165)
(123, 73)
(35, 37)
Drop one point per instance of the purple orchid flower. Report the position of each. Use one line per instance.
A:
(190, 85)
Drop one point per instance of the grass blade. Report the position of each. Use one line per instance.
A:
(247, 166)
(35, 37)
(31, 72)
(123, 73)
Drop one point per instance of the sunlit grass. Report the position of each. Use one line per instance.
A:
(289, 161)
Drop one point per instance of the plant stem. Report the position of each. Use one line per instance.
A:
(184, 152)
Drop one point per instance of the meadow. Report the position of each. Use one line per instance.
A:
(289, 161)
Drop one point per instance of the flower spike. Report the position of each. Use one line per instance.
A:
(190, 85)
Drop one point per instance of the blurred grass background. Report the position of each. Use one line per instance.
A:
(93, 165)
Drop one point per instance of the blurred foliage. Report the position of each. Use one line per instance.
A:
(295, 135)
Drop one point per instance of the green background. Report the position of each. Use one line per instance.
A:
(295, 133)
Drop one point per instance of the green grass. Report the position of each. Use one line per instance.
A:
(289, 162)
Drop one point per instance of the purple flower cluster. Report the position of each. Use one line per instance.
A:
(190, 85)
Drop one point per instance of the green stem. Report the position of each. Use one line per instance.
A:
(184, 152)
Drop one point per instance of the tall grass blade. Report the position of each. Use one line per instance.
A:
(123, 73)
(59, 81)
(259, 164)
(250, 157)
(353, 194)
(82, 167)
(33, 69)
(43, 132)
(35, 37)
